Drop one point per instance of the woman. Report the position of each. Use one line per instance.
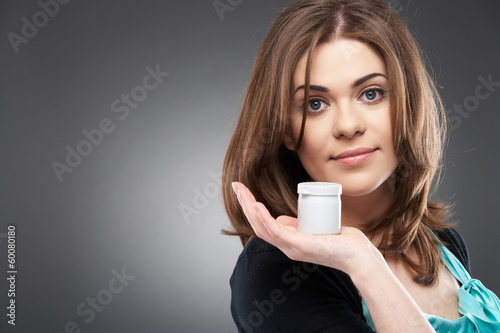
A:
(339, 93)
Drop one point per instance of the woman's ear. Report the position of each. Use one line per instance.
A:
(289, 142)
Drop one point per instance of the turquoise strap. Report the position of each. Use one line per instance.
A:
(479, 306)
(475, 301)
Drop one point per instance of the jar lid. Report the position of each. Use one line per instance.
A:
(319, 188)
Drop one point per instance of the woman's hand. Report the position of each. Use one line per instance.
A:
(347, 251)
(391, 307)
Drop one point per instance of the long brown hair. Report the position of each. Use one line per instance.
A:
(258, 158)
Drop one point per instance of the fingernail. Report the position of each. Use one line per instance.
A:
(234, 186)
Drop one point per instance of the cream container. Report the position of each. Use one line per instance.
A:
(319, 207)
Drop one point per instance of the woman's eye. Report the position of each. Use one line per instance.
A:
(373, 95)
(316, 105)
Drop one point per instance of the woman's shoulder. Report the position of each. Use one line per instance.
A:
(271, 291)
(452, 239)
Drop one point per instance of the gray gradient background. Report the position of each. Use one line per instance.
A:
(120, 206)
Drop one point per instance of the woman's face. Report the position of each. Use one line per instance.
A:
(348, 135)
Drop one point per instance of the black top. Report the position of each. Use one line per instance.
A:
(272, 293)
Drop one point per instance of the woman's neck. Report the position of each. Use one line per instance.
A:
(360, 210)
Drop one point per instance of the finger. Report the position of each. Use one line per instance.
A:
(286, 238)
(246, 199)
(297, 245)
(246, 202)
(263, 213)
(237, 186)
(276, 229)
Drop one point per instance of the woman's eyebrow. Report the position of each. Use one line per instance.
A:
(365, 78)
(312, 87)
(355, 84)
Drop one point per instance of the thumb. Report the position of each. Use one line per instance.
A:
(287, 221)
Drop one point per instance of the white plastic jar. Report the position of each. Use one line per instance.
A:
(319, 207)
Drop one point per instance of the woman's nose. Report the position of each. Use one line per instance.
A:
(348, 121)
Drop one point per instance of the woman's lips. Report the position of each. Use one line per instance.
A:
(354, 156)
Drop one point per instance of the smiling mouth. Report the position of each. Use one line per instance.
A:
(354, 156)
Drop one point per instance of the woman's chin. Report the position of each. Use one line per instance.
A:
(356, 192)
(358, 189)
